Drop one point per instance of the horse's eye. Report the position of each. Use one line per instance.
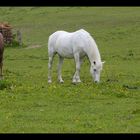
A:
(94, 70)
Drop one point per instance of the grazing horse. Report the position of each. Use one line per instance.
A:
(1, 54)
(75, 45)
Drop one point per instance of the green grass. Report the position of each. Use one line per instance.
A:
(29, 104)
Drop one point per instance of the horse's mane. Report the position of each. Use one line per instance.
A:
(91, 42)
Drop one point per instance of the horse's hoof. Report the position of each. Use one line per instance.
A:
(78, 81)
(61, 81)
(74, 81)
(49, 81)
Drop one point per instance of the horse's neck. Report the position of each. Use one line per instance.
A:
(93, 53)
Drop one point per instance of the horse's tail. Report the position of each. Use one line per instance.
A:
(51, 44)
(52, 41)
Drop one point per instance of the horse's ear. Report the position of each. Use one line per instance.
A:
(103, 62)
(94, 62)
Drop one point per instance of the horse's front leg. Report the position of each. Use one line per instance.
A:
(50, 68)
(76, 77)
(59, 69)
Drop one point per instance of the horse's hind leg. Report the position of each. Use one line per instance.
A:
(76, 77)
(51, 56)
(59, 69)
(1, 71)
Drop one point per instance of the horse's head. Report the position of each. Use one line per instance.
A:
(95, 70)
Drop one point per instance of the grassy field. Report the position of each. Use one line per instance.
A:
(29, 104)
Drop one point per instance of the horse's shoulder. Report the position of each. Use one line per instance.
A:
(83, 32)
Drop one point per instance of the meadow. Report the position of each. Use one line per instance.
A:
(28, 104)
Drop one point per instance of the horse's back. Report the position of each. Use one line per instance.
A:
(68, 43)
(65, 36)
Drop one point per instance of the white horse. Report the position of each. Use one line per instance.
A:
(74, 45)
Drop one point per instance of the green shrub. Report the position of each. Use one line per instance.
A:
(4, 84)
(14, 43)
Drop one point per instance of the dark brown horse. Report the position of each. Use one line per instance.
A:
(1, 55)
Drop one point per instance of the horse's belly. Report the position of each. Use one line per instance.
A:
(65, 52)
(64, 47)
